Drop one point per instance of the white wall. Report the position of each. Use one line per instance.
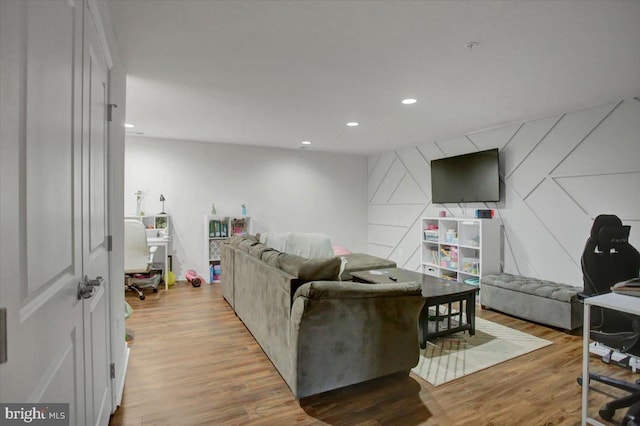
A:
(558, 173)
(284, 190)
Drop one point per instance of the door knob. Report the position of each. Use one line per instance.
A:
(87, 287)
(93, 283)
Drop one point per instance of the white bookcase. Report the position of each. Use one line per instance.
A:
(460, 249)
(218, 229)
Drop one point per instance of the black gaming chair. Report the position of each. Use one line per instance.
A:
(608, 258)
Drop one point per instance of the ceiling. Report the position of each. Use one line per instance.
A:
(275, 73)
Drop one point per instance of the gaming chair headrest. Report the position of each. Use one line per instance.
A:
(604, 220)
(612, 237)
(608, 232)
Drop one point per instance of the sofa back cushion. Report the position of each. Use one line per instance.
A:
(242, 242)
(270, 257)
(309, 245)
(309, 269)
(257, 249)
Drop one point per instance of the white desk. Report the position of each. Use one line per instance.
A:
(162, 242)
(617, 302)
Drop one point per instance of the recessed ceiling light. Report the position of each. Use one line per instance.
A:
(471, 44)
(306, 142)
(129, 126)
(409, 101)
(353, 124)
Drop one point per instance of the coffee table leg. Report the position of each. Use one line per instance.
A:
(471, 313)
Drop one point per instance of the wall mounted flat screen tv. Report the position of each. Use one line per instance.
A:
(466, 178)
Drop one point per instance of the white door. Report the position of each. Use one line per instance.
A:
(95, 255)
(47, 238)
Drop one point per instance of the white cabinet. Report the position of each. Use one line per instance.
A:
(157, 226)
(216, 230)
(460, 249)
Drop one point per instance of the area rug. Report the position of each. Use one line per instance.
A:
(457, 355)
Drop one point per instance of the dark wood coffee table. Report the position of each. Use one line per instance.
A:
(439, 294)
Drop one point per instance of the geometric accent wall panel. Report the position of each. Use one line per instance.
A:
(569, 229)
(394, 231)
(413, 262)
(559, 173)
(493, 138)
(378, 172)
(417, 168)
(405, 250)
(430, 151)
(456, 146)
(535, 249)
(407, 191)
(615, 193)
(386, 235)
(523, 142)
(393, 214)
(378, 250)
(394, 175)
(614, 146)
(567, 134)
(372, 160)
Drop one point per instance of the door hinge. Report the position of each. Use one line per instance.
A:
(113, 370)
(110, 108)
(3, 335)
(109, 242)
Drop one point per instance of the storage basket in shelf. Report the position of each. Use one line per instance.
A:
(214, 249)
(470, 265)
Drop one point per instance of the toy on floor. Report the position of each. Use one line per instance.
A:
(170, 277)
(193, 277)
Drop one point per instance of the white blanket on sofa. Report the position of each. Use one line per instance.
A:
(309, 245)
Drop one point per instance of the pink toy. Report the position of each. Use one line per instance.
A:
(341, 251)
(193, 277)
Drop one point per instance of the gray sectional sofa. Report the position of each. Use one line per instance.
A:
(321, 333)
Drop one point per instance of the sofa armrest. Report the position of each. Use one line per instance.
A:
(342, 290)
(346, 333)
(227, 286)
(362, 262)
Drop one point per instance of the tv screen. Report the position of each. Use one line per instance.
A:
(466, 178)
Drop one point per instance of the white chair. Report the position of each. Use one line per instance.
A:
(137, 257)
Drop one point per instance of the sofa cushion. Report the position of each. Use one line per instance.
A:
(270, 257)
(309, 245)
(236, 240)
(309, 269)
(257, 249)
(362, 262)
(245, 243)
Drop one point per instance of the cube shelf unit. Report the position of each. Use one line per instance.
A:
(460, 249)
(218, 229)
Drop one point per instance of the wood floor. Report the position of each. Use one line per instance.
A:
(194, 363)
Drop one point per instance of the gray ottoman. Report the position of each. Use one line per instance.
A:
(544, 302)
